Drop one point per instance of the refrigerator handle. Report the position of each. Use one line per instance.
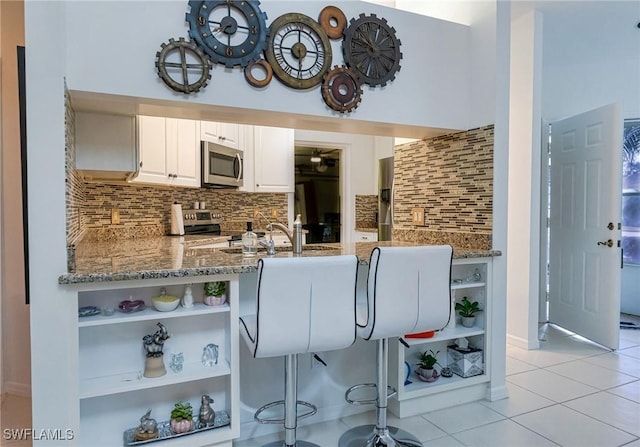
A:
(393, 182)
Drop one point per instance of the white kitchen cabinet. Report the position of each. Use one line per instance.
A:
(168, 151)
(365, 236)
(273, 159)
(417, 396)
(105, 146)
(225, 134)
(113, 393)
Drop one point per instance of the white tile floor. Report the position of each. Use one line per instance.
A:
(568, 393)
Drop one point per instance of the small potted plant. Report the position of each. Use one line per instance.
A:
(181, 417)
(214, 293)
(467, 311)
(426, 362)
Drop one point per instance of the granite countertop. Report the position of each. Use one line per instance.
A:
(175, 257)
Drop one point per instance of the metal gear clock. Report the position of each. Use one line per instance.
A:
(371, 48)
(230, 32)
(298, 50)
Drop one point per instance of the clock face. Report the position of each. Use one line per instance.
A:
(371, 48)
(298, 50)
(230, 32)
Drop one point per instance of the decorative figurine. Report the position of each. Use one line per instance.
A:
(177, 359)
(187, 298)
(153, 344)
(210, 355)
(148, 428)
(206, 416)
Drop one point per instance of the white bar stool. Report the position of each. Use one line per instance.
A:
(302, 305)
(408, 290)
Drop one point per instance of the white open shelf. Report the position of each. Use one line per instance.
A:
(130, 381)
(448, 333)
(466, 285)
(419, 388)
(151, 314)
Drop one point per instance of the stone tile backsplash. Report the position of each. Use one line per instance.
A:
(366, 210)
(451, 177)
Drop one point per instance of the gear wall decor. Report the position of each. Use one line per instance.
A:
(341, 89)
(183, 66)
(294, 47)
(371, 48)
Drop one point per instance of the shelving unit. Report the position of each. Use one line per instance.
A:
(418, 396)
(112, 391)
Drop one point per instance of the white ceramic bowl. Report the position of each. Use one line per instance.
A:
(165, 303)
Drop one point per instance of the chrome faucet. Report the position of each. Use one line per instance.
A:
(295, 236)
(269, 244)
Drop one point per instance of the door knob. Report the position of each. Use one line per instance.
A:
(608, 243)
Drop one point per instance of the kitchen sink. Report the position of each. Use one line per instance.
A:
(283, 248)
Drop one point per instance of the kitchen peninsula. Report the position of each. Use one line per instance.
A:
(112, 395)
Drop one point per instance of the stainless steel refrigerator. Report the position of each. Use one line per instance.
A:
(385, 198)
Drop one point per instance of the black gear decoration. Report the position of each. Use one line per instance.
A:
(341, 89)
(371, 48)
(182, 68)
(218, 27)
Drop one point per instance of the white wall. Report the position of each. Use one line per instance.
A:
(53, 308)
(524, 180)
(480, 16)
(584, 69)
(431, 89)
(15, 313)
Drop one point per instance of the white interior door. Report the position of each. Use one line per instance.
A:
(585, 260)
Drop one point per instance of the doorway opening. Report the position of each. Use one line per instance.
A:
(317, 192)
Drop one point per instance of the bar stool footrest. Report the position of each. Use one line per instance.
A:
(313, 410)
(390, 393)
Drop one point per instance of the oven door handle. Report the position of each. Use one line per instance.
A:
(239, 163)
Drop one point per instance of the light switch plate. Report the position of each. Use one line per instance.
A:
(417, 216)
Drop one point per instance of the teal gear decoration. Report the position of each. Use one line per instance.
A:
(230, 32)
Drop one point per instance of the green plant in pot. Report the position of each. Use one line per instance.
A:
(426, 362)
(181, 417)
(467, 311)
(215, 293)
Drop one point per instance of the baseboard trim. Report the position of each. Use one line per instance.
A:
(17, 389)
(522, 343)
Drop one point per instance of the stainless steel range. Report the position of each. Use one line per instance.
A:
(201, 222)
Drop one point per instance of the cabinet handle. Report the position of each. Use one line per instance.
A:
(140, 164)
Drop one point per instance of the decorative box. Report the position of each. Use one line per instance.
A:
(465, 362)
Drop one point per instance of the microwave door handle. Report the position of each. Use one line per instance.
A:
(240, 167)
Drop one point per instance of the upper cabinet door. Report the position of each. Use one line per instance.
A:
(152, 149)
(225, 134)
(185, 158)
(273, 159)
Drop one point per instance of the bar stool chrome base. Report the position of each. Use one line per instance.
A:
(370, 436)
(297, 444)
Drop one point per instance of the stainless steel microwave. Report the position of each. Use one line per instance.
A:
(221, 166)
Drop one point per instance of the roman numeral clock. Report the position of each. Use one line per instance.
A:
(298, 50)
